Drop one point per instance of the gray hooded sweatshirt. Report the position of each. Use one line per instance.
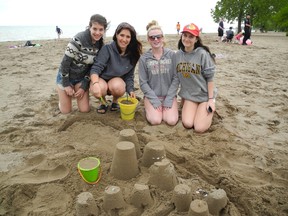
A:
(194, 71)
(158, 78)
(109, 64)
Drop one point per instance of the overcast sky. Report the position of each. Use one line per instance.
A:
(137, 13)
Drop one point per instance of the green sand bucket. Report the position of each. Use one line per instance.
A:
(89, 169)
(127, 109)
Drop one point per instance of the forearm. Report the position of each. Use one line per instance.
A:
(211, 90)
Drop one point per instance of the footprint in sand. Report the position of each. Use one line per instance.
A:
(246, 168)
(34, 174)
(38, 176)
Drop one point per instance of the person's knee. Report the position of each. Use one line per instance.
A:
(187, 125)
(154, 120)
(84, 109)
(172, 121)
(65, 110)
(200, 128)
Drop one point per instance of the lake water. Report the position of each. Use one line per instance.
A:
(24, 33)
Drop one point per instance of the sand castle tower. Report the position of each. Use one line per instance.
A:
(153, 152)
(217, 200)
(182, 197)
(198, 208)
(86, 205)
(163, 175)
(141, 196)
(124, 163)
(131, 136)
(113, 198)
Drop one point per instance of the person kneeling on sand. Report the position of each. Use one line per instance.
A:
(73, 75)
(158, 79)
(195, 67)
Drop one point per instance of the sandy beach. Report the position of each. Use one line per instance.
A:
(245, 152)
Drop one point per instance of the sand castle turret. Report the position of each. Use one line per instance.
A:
(198, 208)
(86, 205)
(141, 196)
(131, 136)
(124, 163)
(113, 198)
(217, 200)
(163, 175)
(182, 197)
(153, 152)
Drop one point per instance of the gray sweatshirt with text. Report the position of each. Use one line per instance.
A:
(194, 71)
(157, 78)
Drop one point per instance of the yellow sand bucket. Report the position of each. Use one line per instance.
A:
(127, 107)
(89, 169)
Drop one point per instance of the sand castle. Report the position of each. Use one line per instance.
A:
(126, 164)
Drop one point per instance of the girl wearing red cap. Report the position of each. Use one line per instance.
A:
(195, 66)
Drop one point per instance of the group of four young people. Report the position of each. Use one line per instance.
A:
(108, 69)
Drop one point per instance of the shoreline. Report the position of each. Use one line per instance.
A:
(256, 34)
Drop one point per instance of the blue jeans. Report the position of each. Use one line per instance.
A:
(59, 79)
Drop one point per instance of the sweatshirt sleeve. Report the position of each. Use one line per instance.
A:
(172, 91)
(208, 66)
(144, 86)
(85, 83)
(65, 70)
(100, 61)
(129, 80)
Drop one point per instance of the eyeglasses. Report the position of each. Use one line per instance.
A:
(154, 37)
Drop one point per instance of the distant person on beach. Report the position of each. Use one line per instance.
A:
(229, 35)
(178, 27)
(73, 76)
(59, 31)
(158, 80)
(220, 29)
(247, 29)
(113, 70)
(195, 66)
(239, 37)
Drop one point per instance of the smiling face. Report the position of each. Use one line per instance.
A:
(155, 38)
(188, 41)
(97, 31)
(123, 39)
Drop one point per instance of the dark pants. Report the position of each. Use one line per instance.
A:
(247, 35)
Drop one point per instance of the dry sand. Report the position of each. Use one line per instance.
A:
(245, 152)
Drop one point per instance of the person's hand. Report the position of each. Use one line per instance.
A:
(79, 93)
(132, 95)
(96, 90)
(159, 108)
(69, 91)
(211, 105)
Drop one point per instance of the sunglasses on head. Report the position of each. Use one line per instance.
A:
(154, 37)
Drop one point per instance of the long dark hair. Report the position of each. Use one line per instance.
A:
(134, 48)
(199, 43)
(102, 21)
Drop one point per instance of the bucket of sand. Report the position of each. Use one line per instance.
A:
(89, 169)
(128, 107)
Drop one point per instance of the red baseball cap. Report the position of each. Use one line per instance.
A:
(192, 29)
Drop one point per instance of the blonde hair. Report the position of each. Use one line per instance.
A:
(152, 26)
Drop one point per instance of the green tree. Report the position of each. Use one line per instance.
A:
(268, 14)
(281, 19)
(230, 10)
